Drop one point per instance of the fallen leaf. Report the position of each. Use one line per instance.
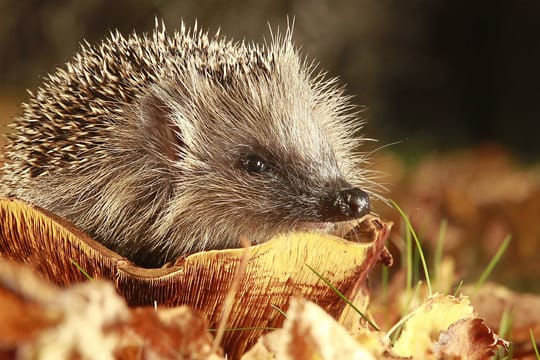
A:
(310, 333)
(424, 324)
(468, 339)
(91, 321)
(493, 300)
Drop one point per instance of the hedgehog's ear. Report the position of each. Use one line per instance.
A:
(160, 131)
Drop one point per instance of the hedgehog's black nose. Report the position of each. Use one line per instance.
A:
(345, 204)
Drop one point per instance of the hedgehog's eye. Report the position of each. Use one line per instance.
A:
(255, 164)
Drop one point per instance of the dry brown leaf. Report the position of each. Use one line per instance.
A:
(445, 327)
(90, 321)
(492, 300)
(275, 270)
(423, 326)
(468, 339)
(309, 333)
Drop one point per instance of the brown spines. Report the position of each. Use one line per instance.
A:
(83, 97)
(138, 141)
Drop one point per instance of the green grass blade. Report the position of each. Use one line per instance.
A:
(506, 323)
(410, 297)
(393, 334)
(416, 266)
(492, 263)
(344, 298)
(385, 280)
(409, 254)
(418, 245)
(81, 269)
(385, 293)
(458, 288)
(439, 247)
(534, 345)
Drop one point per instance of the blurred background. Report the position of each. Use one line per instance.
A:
(435, 74)
(452, 86)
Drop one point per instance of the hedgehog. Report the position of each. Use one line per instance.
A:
(165, 144)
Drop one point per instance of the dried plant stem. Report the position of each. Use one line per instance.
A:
(229, 298)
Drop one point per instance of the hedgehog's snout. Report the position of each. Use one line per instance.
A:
(345, 204)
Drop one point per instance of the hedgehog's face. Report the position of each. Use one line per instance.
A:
(262, 154)
(255, 163)
(288, 187)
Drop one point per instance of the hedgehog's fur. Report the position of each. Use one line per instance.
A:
(138, 141)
